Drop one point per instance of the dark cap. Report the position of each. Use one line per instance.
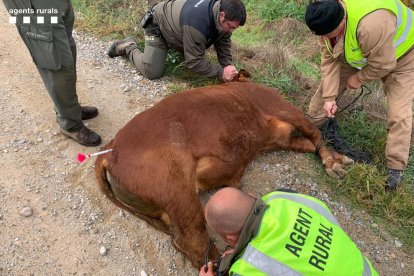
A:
(322, 17)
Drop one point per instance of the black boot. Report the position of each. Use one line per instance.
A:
(119, 48)
(394, 178)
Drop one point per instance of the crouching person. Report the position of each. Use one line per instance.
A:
(282, 233)
(189, 26)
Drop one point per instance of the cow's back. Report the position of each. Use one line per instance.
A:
(196, 119)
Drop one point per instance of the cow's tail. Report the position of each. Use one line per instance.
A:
(110, 187)
(101, 169)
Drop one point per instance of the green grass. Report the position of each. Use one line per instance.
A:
(110, 18)
(252, 34)
(275, 77)
(365, 134)
(306, 69)
(364, 184)
(270, 10)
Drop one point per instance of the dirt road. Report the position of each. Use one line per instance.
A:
(71, 221)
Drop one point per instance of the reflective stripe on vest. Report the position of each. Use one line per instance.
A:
(367, 268)
(357, 9)
(308, 203)
(272, 265)
(265, 263)
(407, 27)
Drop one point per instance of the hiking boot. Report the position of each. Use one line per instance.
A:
(89, 112)
(394, 178)
(119, 48)
(84, 136)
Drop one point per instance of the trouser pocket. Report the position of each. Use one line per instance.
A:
(40, 43)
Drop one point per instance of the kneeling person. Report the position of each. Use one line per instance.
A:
(189, 26)
(281, 233)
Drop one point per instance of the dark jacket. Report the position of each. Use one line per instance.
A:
(191, 26)
(250, 229)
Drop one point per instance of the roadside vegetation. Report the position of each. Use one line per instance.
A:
(278, 50)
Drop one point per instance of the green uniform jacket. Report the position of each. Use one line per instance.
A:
(183, 30)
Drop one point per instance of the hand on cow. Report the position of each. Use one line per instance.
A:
(228, 251)
(209, 272)
(330, 108)
(229, 73)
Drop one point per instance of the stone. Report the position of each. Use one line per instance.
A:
(102, 251)
(26, 212)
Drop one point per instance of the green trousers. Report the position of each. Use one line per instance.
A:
(151, 62)
(53, 50)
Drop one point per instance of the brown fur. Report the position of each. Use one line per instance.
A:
(198, 140)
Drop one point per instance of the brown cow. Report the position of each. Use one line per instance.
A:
(197, 140)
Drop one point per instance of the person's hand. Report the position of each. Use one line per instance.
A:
(330, 109)
(228, 251)
(353, 82)
(210, 271)
(229, 72)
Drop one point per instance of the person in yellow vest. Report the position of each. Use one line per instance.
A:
(282, 233)
(361, 41)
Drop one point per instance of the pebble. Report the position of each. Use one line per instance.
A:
(26, 212)
(143, 273)
(102, 251)
(398, 244)
(125, 88)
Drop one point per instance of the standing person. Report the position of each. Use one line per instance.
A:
(282, 233)
(190, 26)
(53, 50)
(361, 41)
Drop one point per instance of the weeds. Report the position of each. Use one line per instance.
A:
(110, 18)
(269, 10)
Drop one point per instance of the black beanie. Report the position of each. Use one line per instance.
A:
(322, 17)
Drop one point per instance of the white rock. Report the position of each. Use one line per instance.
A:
(143, 273)
(102, 251)
(26, 212)
(398, 244)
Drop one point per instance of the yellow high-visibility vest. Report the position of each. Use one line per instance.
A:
(298, 235)
(357, 9)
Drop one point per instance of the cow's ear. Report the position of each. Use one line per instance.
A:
(243, 75)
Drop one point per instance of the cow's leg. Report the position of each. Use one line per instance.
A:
(212, 172)
(282, 135)
(190, 235)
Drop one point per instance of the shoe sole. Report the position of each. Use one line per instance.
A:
(111, 51)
